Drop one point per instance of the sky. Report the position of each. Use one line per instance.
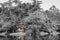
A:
(46, 4)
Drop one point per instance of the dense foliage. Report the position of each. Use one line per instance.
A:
(34, 18)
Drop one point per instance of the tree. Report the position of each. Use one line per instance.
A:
(53, 9)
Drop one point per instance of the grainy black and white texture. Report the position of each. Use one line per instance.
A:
(38, 24)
